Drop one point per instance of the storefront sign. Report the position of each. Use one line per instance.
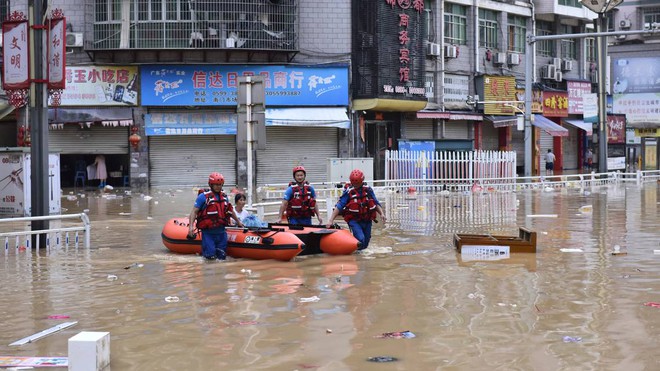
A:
(643, 108)
(199, 123)
(616, 129)
(501, 89)
(647, 132)
(216, 85)
(100, 86)
(537, 100)
(576, 92)
(590, 107)
(555, 104)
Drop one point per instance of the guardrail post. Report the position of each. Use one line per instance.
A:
(639, 177)
(261, 212)
(329, 206)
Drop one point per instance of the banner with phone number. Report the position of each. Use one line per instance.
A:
(101, 86)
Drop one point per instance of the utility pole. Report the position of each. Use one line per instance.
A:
(38, 118)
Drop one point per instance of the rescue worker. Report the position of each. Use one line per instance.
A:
(212, 211)
(359, 206)
(299, 200)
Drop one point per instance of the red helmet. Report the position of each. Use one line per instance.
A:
(297, 169)
(357, 177)
(216, 178)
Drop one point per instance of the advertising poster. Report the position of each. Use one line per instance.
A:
(217, 85)
(101, 86)
(576, 91)
(15, 187)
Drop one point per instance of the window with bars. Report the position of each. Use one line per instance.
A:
(589, 47)
(517, 33)
(176, 24)
(573, 3)
(544, 48)
(652, 15)
(568, 46)
(455, 24)
(4, 9)
(488, 27)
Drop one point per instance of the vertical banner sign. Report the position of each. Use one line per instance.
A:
(16, 63)
(56, 53)
(500, 89)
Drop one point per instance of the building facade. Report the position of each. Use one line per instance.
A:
(349, 78)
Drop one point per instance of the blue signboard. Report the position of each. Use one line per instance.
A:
(217, 85)
(219, 123)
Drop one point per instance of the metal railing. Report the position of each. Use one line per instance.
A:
(55, 237)
(182, 24)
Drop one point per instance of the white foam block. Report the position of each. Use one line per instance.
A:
(89, 351)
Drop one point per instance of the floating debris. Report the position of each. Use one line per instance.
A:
(382, 359)
(572, 339)
(396, 335)
(310, 300)
(571, 250)
(172, 299)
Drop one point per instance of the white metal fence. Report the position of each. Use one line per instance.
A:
(15, 233)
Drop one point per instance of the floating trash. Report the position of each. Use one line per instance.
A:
(572, 339)
(571, 250)
(172, 299)
(652, 304)
(382, 359)
(112, 277)
(310, 300)
(58, 316)
(586, 209)
(396, 335)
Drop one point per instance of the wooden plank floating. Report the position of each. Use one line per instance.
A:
(524, 242)
(43, 333)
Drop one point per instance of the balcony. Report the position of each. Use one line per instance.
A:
(264, 26)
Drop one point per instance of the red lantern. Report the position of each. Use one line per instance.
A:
(134, 138)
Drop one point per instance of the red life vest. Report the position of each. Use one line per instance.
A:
(301, 204)
(360, 205)
(216, 213)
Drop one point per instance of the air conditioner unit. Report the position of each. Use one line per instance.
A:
(74, 40)
(556, 62)
(620, 37)
(566, 65)
(625, 24)
(594, 77)
(559, 76)
(548, 71)
(514, 59)
(451, 51)
(500, 58)
(433, 50)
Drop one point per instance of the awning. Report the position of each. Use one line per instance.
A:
(549, 127)
(502, 121)
(449, 115)
(580, 124)
(332, 117)
(391, 105)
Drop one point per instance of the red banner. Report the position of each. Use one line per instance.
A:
(555, 104)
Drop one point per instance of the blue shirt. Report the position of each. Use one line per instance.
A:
(343, 200)
(288, 194)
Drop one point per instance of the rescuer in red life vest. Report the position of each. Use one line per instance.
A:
(299, 200)
(212, 211)
(359, 207)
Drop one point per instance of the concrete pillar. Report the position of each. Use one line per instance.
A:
(89, 351)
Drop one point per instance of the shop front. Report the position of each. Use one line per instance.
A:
(94, 119)
(575, 146)
(192, 122)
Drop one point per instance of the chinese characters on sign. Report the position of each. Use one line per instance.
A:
(502, 89)
(555, 104)
(642, 107)
(576, 91)
(16, 71)
(56, 53)
(616, 129)
(100, 86)
(405, 40)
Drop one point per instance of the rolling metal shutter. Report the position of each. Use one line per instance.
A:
(518, 145)
(419, 129)
(457, 130)
(570, 148)
(490, 139)
(544, 145)
(287, 147)
(187, 160)
(105, 140)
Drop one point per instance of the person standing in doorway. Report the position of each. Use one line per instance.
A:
(589, 159)
(101, 171)
(299, 200)
(212, 212)
(359, 206)
(549, 162)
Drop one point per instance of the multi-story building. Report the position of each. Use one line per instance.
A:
(349, 78)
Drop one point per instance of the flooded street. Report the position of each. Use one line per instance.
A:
(553, 310)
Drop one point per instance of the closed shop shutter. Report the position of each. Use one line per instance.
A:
(545, 144)
(570, 148)
(419, 129)
(489, 137)
(107, 140)
(457, 130)
(518, 145)
(287, 147)
(187, 160)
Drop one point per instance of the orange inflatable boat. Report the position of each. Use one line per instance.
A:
(263, 243)
(319, 239)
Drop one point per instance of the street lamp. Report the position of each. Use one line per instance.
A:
(601, 7)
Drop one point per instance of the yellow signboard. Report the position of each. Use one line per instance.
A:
(647, 132)
(499, 89)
